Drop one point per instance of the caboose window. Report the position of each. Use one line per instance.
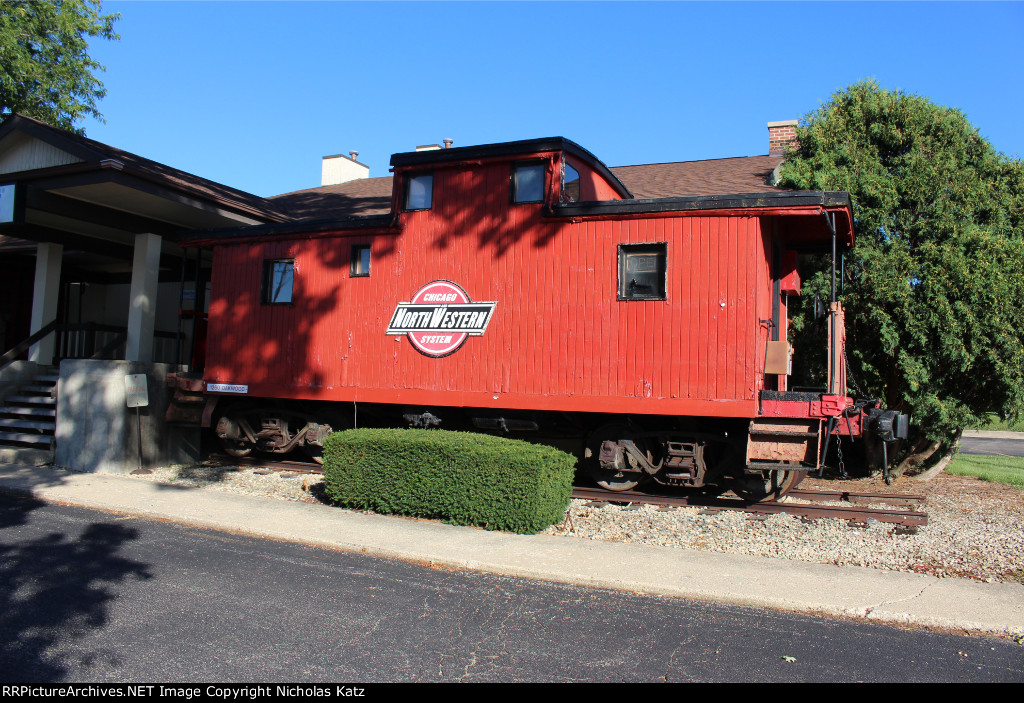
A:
(360, 260)
(528, 183)
(570, 184)
(642, 269)
(278, 279)
(419, 191)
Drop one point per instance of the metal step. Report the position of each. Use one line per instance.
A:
(769, 466)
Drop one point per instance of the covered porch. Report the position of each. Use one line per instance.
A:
(94, 286)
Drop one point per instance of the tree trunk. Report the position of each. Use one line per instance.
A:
(922, 452)
(943, 462)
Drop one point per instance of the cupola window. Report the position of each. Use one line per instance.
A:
(419, 191)
(528, 182)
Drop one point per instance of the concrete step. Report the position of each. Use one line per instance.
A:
(15, 424)
(31, 400)
(26, 456)
(43, 440)
(34, 388)
(27, 411)
(28, 422)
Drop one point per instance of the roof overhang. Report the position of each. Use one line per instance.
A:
(78, 193)
(807, 214)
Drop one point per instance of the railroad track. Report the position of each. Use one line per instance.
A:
(821, 504)
(299, 467)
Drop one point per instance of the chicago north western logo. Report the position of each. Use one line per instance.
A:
(440, 317)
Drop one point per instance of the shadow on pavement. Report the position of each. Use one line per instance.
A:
(54, 590)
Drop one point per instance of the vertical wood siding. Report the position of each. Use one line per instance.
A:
(558, 333)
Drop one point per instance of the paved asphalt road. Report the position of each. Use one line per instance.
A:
(987, 445)
(90, 597)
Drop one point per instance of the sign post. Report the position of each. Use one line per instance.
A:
(136, 393)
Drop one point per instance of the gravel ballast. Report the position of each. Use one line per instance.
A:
(975, 529)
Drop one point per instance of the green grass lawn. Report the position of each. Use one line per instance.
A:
(998, 469)
(994, 423)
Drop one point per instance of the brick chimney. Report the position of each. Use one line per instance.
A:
(782, 136)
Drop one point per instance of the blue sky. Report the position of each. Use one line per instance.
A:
(253, 94)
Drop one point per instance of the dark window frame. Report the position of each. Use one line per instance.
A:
(409, 177)
(514, 181)
(627, 285)
(356, 261)
(267, 293)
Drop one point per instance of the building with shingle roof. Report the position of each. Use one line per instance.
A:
(91, 265)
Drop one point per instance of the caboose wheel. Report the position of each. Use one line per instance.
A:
(765, 485)
(232, 437)
(236, 447)
(611, 479)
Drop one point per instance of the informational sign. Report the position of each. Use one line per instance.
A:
(136, 391)
(7, 202)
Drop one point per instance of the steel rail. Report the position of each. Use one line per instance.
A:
(842, 512)
(262, 462)
(858, 497)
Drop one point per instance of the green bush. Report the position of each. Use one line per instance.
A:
(460, 477)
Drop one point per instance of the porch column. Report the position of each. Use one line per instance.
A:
(45, 293)
(142, 298)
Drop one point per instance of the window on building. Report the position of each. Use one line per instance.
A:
(278, 280)
(642, 269)
(528, 182)
(360, 260)
(570, 184)
(419, 191)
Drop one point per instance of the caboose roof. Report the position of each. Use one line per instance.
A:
(372, 196)
(738, 183)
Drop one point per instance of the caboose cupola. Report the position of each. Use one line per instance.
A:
(532, 171)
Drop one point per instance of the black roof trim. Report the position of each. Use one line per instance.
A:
(735, 201)
(283, 228)
(525, 146)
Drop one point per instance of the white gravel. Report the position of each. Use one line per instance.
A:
(975, 529)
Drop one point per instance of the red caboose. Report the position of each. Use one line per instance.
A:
(520, 287)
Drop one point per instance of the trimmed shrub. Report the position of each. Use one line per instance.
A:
(460, 477)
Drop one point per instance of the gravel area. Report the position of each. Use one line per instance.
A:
(975, 529)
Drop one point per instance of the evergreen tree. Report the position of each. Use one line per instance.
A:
(934, 287)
